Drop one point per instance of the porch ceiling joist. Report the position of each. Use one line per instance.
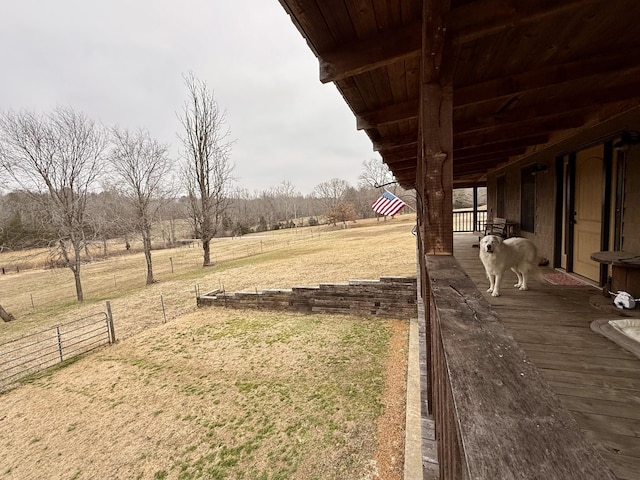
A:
(480, 18)
(390, 46)
(498, 147)
(462, 159)
(619, 62)
(388, 115)
(525, 72)
(372, 53)
(390, 143)
(512, 89)
(402, 165)
(576, 102)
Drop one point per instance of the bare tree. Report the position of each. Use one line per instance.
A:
(142, 170)
(208, 169)
(287, 193)
(110, 216)
(330, 194)
(375, 174)
(57, 158)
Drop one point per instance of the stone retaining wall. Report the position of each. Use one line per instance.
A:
(390, 297)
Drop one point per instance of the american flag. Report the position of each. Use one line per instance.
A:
(387, 204)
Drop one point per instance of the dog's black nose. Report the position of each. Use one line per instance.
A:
(489, 248)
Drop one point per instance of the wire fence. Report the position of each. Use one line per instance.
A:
(33, 353)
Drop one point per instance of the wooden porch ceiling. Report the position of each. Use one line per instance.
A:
(526, 73)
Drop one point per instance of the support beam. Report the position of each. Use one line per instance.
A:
(383, 49)
(436, 117)
(620, 63)
(392, 114)
(391, 143)
(482, 18)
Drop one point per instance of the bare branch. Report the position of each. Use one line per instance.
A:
(57, 159)
(142, 168)
(207, 165)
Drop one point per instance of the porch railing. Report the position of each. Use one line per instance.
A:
(495, 415)
(468, 220)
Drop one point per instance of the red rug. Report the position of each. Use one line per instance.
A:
(562, 279)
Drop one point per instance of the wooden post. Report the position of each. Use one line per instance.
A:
(475, 209)
(434, 173)
(436, 125)
(112, 331)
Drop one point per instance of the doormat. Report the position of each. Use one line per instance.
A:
(562, 279)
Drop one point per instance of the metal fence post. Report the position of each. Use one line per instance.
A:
(112, 332)
(59, 343)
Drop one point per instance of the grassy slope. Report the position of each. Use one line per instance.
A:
(213, 393)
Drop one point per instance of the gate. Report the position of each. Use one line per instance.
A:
(25, 356)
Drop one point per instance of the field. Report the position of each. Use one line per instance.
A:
(215, 393)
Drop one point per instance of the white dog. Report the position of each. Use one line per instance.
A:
(497, 255)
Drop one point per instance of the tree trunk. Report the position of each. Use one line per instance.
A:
(146, 240)
(172, 232)
(76, 277)
(207, 253)
(6, 316)
(86, 246)
(74, 265)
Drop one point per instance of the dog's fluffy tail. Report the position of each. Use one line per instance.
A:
(535, 272)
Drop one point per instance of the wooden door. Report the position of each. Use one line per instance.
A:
(588, 211)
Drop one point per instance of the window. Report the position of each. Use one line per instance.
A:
(528, 199)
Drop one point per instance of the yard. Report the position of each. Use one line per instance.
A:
(215, 393)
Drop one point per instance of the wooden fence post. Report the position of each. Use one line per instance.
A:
(112, 332)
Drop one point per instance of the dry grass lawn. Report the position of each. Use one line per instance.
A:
(216, 393)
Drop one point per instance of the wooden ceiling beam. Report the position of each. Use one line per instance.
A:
(508, 87)
(497, 147)
(577, 103)
(461, 159)
(616, 64)
(372, 53)
(400, 155)
(477, 163)
(528, 128)
(478, 167)
(468, 22)
(388, 115)
(389, 146)
(390, 143)
(473, 180)
(482, 18)
(408, 164)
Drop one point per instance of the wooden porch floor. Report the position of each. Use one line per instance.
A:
(596, 380)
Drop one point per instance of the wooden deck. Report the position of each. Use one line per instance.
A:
(596, 380)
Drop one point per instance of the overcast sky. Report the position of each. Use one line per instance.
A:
(122, 63)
